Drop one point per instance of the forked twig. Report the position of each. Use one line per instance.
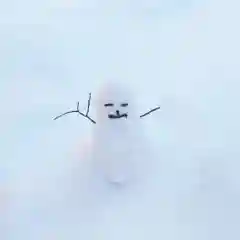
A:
(152, 110)
(89, 102)
(77, 111)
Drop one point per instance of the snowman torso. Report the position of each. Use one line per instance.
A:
(115, 152)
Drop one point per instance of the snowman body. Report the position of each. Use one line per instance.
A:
(115, 153)
(117, 142)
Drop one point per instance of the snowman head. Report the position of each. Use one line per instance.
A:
(115, 104)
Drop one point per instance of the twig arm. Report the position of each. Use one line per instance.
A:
(77, 111)
(89, 102)
(147, 113)
(65, 114)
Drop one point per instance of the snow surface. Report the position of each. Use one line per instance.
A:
(183, 55)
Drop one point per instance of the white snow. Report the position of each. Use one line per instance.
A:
(184, 57)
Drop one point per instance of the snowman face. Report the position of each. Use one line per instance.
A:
(114, 104)
(116, 112)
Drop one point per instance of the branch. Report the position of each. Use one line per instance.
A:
(89, 102)
(153, 110)
(77, 111)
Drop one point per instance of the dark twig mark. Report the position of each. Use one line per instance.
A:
(153, 110)
(77, 111)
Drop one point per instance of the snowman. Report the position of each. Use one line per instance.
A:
(118, 144)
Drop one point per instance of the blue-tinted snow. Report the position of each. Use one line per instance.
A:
(183, 56)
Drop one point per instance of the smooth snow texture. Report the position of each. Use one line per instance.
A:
(118, 144)
(115, 172)
(187, 60)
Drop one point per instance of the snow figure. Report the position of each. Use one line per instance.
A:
(116, 138)
(117, 145)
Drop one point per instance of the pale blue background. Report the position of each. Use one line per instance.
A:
(183, 55)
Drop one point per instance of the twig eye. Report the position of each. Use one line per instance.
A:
(108, 105)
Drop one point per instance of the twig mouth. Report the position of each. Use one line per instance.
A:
(117, 116)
